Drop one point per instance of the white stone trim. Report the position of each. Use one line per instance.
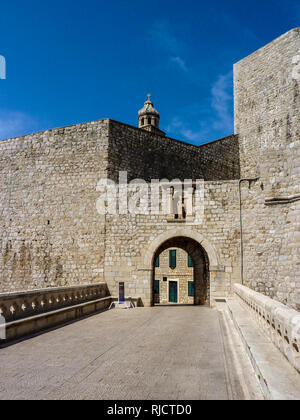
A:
(152, 247)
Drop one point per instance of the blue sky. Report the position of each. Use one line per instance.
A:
(73, 61)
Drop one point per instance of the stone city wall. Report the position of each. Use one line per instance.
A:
(267, 120)
(132, 240)
(148, 156)
(50, 233)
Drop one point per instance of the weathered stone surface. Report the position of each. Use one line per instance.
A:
(267, 119)
(52, 234)
(280, 323)
(149, 353)
(149, 156)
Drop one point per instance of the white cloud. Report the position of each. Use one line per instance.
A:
(217, 118)
(180, 62)
(179, 126)
(161, 33)
(222, 100)
(193, 136)
(14, 123)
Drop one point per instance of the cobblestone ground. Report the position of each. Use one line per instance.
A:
(147, 353)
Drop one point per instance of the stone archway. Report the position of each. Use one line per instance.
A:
(194, 243)
(200, 269)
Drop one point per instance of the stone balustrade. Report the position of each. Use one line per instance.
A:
(280, 323)
(20, 305)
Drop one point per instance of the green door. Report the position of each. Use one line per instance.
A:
(173, 292)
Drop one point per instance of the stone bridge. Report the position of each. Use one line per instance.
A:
(246, 348)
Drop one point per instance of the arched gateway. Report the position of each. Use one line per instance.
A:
(202, 253)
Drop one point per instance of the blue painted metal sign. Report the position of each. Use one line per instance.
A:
(122, 292)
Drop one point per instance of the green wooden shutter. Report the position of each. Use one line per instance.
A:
(190, 262)
(156, 287)
(172, 258)
(191, 291)
(157, 262)
(173, 292)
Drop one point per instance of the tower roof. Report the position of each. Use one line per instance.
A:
(148, 109)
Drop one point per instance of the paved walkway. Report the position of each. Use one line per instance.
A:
(145, 353)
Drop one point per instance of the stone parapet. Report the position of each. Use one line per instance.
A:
(20, 305)
(279, 322)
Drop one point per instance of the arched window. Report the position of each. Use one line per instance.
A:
(143, 121)
(149, 120)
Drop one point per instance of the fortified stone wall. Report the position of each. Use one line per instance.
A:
(130, 237)
(50, 232)
(148, 156)
(271, 246)
(52, 235)
(267, 119)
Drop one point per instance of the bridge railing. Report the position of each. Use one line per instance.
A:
(279, 322)
(20, 305)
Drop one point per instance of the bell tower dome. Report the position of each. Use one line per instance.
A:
(149, 118)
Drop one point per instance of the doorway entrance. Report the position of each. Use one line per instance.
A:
(173, 291)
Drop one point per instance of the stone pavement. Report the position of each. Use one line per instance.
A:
(179, 352)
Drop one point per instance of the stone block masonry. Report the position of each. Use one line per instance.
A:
(149, 156)
(52, 235)
(267, 120)
(51, 232)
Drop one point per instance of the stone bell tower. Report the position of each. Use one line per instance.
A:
(149, 118)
